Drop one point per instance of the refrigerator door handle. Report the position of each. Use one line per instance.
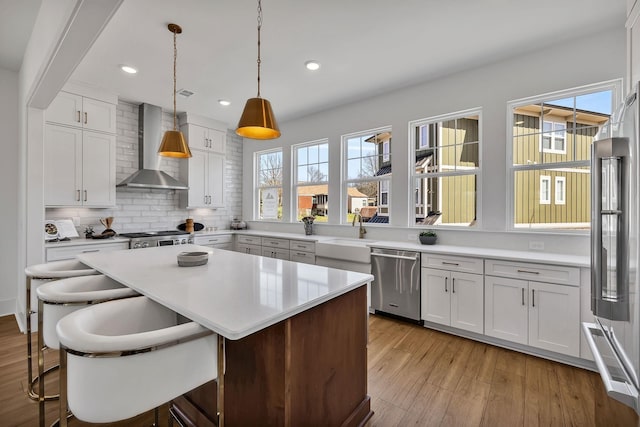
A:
(619, 390)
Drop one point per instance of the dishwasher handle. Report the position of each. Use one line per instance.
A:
(414, 258)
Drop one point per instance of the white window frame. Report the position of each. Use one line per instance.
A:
(545, 197)
(460, 170)
(553, 138)
(563, 196)
(346, 181)
(294, 174)
(573, 166)
(257, 187)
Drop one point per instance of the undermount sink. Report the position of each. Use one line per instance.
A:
(354, 250)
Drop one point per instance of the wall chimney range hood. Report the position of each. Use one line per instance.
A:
(149, 174)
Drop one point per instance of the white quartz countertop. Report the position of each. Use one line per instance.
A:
(81, 241)
(234, 294)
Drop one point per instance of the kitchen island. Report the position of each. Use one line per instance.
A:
(295, 335)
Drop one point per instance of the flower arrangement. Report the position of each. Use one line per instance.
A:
(428, 233)
(308, 219)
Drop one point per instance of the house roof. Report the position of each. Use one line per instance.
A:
(314, 190)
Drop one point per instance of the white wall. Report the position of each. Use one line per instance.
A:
(587, 60)
(8, 189)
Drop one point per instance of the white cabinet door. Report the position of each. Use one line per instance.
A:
(98, 169)
(276, 253)
(554, 317)
(202, 138)
(249, 249)
(197, 193)
(75, 110)
(98, 115)
(62, 176)
(65, 109)
(467, 302)
(215, 180)
(435, 300)
(506, 308)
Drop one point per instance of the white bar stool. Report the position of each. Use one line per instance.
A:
(123, 358)
(62, 297)
(36, 275)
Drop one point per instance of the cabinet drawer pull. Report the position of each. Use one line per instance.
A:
(453, 286)
(77, 195)
(85, 195)
(85, 117)
(301, 254)
(450, 263)
(445, 284)
(522, 296)
(78, 116)
(92, 250)
(528, 271)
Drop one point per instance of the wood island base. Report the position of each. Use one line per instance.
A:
(308, 370)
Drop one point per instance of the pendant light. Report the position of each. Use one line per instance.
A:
(257, 120)
(173, 142)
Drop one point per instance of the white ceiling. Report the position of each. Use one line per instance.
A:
(366, 47)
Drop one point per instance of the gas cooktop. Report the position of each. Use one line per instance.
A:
(153, 234)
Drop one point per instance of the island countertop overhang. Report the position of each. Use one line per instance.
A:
(234, 294)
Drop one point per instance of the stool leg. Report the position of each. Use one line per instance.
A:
(41, 395)
(63, 387)
(32, 395)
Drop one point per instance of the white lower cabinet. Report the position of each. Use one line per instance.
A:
(219, 241)
(453, 298)
(70, 252)
(539, 314)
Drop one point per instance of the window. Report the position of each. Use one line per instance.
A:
(446, 158)
(367, 175)
(269, 185)
(311, 181)
(545, 190)
(550, 147)
(560, 190)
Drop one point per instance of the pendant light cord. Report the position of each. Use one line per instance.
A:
(175, 57)
(259, 27)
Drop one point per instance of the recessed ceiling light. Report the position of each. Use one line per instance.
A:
(128, 69)
(224, 102)
(312, 65)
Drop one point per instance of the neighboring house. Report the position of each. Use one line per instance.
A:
(558, 196)
(314, 200)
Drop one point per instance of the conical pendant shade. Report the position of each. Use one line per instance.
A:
(258, 121)
(174, 145)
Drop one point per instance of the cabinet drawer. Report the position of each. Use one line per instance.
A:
(70, 252)
(213, 240)
(249, 249)
(300, 245)
(249, 240)
(535, 272)
(275, 253)
(273, 242)
(452, 263)
(300, 256)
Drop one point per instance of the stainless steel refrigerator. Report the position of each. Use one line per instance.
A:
(614, 336)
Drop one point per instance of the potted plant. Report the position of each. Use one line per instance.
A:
(428, 237)
(308, 224)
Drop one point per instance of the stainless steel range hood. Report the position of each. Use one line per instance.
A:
(149, 138)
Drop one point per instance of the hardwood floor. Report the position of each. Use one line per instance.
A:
(421, 377)
(417, 377)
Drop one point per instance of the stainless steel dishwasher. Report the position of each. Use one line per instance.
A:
(396, 285)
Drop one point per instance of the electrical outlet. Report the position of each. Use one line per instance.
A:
(537, 246)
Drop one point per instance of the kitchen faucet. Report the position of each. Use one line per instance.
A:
(358, 216)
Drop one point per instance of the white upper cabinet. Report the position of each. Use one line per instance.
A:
(79, 167)
(204, 172)
(80, 152)
(87, 113)
(207, 139)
